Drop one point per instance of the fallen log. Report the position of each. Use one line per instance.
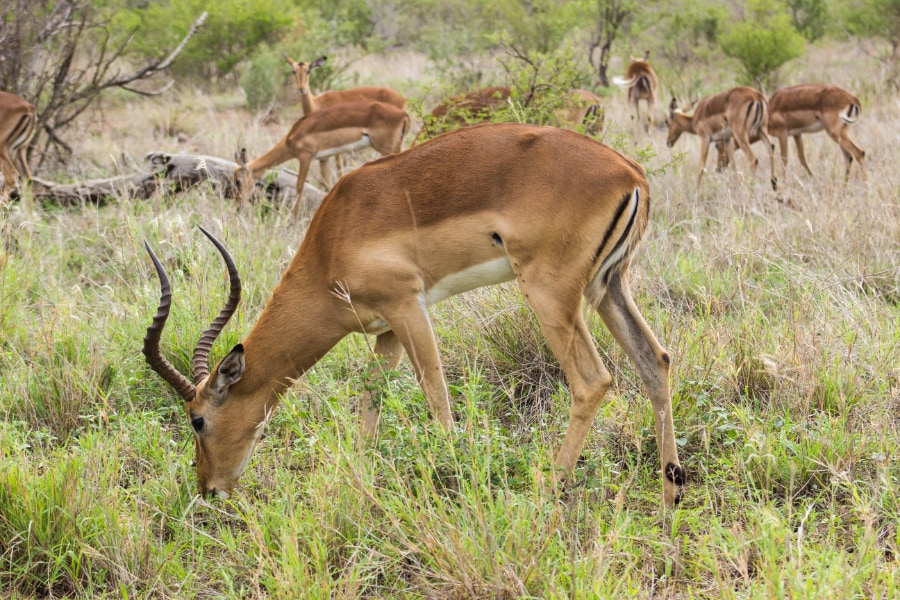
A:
(177, 173)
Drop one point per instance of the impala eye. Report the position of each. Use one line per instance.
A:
(197, 423)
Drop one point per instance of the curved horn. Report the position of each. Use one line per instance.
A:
(151, 350)
(200, 361)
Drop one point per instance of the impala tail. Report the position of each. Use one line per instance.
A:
(622, 236)
(850, 115)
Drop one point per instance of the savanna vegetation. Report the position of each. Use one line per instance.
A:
(781, 311)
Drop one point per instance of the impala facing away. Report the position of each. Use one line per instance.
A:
(17, 122)
(324, 133)
(309, 102)
(641, 81)
(474, 207)
(739, 113)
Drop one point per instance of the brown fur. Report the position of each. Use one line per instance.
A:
(400, 228)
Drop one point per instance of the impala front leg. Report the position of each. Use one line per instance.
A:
(388, 352)
(411, 324)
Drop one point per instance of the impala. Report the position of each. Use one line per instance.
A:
(474, 207)
(641, 81)
(465, 109)
(581, 110)
(810, 108)
(324, 133)
(739, 113)
(309, 102)
(17, 122)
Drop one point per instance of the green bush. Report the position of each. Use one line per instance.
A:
(763, 41)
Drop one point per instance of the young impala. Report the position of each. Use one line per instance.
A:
(324, 133)
(474, 207)
(310, 102)
(17, 122)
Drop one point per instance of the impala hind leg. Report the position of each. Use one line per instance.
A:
(388, 352)
(629, 329)
(563, 326)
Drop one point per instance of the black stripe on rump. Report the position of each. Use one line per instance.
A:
(626, 201)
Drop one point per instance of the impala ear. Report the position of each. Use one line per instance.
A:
(673, 106)
(318, 62)
(288, 59)
(241, 158)
(228, 373)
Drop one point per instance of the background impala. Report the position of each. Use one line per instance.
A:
(310, 102)
(404, 232)
(17, 121)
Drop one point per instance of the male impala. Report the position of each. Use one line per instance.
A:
(641, 81)
(739, 113)
(340, 128)
(17, 122)
(309, 102)
(474, 207)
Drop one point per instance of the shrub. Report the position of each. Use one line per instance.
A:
(763, 42)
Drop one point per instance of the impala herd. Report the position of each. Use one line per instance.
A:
(483, 204)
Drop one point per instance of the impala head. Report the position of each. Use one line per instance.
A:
(244, 181)
(674, 123)
(302, 69)
(222, 419)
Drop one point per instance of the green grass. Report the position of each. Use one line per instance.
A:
(780, 311)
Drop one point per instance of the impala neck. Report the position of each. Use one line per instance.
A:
(308, 101)
(280, 153)
(302, 321)
(685, 122)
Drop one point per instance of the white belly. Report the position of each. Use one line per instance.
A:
(489, 273)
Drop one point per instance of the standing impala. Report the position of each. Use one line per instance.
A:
(810, 108)
(324, 133)
(309, 102)
(474, 207)
(739, 113)
(17, 122)
(641, 81)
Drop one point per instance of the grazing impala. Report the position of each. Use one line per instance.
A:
(340, 128)
(474, 207)
(739, 113)
(465, 109)
(581, 111)
(309, 102)
(17, 122)
(641, 81)
(810, 108)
